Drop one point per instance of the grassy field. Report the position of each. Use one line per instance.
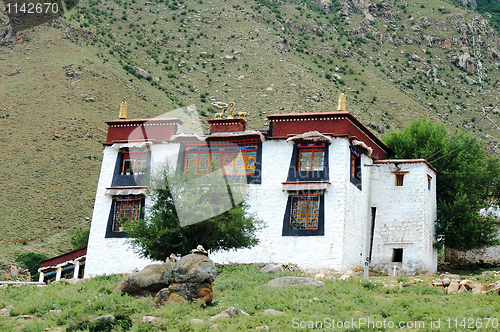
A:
(243, 287)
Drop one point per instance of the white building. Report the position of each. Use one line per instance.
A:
(320, 182)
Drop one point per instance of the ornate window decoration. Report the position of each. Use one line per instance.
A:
(238, 159)
(131, 166)
(134, 162)
(232, 162)
(124, 210)
(304, 214)
(309, 162)
(311, 159)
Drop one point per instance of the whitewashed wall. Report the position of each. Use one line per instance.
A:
(115, 255)
(405, 218)
(357, 214)
(268, 201)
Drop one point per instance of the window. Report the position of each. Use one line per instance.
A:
(124, 210)
(127, 210)
(232, 162)
(81, 271)
(68, 271)
(399, 178)
(355, 168)
(311, 160)
(131, 167)
(305, 212)
(134, 161)
(429, 182)
(397, 255)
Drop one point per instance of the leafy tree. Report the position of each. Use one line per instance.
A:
(188, 211)
(32, 262)
(466, 181)
(80, 238)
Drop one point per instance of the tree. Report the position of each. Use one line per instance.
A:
(80, 238)
(188, 211)
(466, 181)
(32, 262)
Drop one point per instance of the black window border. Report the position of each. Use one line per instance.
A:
(294, 173)
(129, 180)
(109, 228)
(255, 178)
(354, 180)
(286, 231)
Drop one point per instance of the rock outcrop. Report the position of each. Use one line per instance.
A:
(188, 278)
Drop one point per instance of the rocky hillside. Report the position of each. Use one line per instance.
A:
(59, 83)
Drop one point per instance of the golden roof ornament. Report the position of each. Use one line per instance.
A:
(123, 109)
(230, 110)
(342, 102)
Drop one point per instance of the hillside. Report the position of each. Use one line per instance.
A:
(59, 83)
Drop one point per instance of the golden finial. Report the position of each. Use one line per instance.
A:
(123, 109)
(342, 102)
(230, 109)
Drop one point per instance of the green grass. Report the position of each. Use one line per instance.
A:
(243, 286)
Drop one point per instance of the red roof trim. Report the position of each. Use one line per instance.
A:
(64, 257)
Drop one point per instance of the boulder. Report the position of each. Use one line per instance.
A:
(187, 278)
(478, 289)
(230, 313)
(273, 312)
(453, 287)
(180, 292)
(449, 276)
(152, 278)
(149, 319)
(295, 281)
(469, 284)
(195, 267)
(144, 74)
(272, 268)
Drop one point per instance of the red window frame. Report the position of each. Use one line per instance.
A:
(228, 161)
(305, 216)
(315, 153)
(139, 160)
(131, 216)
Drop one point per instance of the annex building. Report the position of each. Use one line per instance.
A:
(321, 182)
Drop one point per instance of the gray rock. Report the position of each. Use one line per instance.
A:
(144, 74)
(449, 276)
(194, 268)
(152, 278)
(197, 321)
(105, 317)
(149, 319)
(56, 312)
(295, 281)
(273, 312)
(230, 313)
(272, 268)
(470, 80)
(180, 292)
